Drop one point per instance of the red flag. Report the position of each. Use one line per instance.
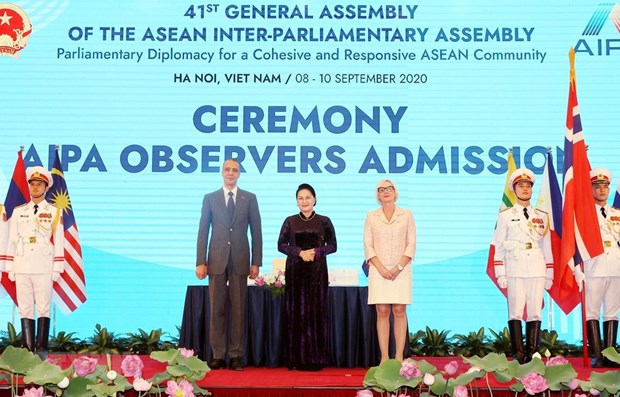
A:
(70, 289)
(580, 237)
(565, 291)
(18, 194)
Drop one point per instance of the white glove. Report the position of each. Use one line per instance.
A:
(11, 276)
(55, 276)
(502, 282)
(580, 278)
(549, 279)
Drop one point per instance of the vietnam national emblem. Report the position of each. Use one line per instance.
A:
(15, 29)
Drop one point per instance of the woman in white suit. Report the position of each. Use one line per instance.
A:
(389, 248)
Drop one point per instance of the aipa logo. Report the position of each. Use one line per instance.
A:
(604, 14)
(15, 29)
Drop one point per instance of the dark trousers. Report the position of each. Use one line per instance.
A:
(237, 291)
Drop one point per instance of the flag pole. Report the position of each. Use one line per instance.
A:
(584, 336)
(586, 362)
(549, 300)
(21, 150)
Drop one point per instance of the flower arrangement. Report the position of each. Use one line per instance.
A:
(86, 377)
(274, 282)
(419, 378)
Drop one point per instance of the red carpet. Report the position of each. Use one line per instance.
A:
(278, 382)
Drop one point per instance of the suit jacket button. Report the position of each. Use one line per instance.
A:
(229, 243)
(231, 229)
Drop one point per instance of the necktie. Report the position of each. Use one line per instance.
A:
(36, 208)
(527, 216)
(230, 207)
(603, 212)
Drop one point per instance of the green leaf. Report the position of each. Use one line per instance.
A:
(77, 388)
(609, 381)
(369, 378)
(166, 356)
(104, 390)
(467, 378)
(503, 376)
(490, 363)
(160, 378)
(439, 386)
(612, 354)
(179, 370)
(17, 361)
(45, 374)
(195, 364)
(558, 375)
(388, 375)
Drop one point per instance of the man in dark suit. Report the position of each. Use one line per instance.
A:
(228, 213)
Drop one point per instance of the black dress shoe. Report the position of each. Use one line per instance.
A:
(217, 363)
(235, 364)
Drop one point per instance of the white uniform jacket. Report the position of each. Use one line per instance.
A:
(522, 246)
(608, 263)
(36, 241)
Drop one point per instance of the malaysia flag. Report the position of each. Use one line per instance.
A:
(70, 289)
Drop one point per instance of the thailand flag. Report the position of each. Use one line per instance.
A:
(564, 291)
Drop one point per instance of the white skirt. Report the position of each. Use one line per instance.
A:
(383, 291)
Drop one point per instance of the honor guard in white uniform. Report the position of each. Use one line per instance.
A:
(35, 258)
(602, 273)
(523, 263)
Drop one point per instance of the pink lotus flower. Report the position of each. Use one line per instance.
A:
(460, 391)
(581, 395)
(409, 369)
(451, 368)
(573, 384)
(278, 284)
(260, 281)
(183, 389)
(364, 393)
(557, 360)
(33, 392)
(187, 353)
(140, 384)
(84, 365)
(534, 383)
(132, 366)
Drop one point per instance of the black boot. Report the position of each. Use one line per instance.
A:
(594, 343)
(610, 333)
(43, 333)
(516, 340)
(532, 339)
(28, 334)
